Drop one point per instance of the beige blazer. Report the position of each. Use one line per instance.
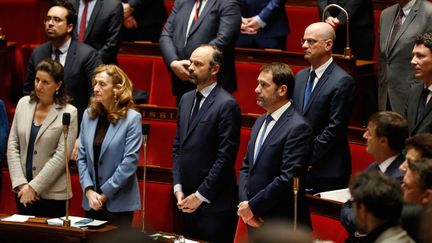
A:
(49, 174)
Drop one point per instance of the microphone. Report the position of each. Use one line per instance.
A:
(66, 122)
(145, 133)
(348, 50)
(297, 171)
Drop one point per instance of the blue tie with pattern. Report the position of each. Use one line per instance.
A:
(308, 89)
(269, 118)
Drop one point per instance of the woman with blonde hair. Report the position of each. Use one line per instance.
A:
(36, 149)
(110, 139)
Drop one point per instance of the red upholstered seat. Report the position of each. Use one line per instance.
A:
(247, 74)
(299, 19)
(161, 92)
(138, 69)
(241, 234)
(360, 159)
(7, 199)
(244, 138)
(325, 228)
(159, 147)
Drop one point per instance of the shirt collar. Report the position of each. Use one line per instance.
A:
(65, 47)
(407, 8)
(207, 90)
(386, 163)
(278, 113)
(321, 69)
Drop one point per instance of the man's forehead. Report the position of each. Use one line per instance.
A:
(57, 11)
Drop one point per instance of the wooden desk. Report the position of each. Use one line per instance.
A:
(29, 232)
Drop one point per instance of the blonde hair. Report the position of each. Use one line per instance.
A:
(123, 100)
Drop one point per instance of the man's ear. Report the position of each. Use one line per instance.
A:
(70, 28)
(427, 197)
(283, 89)
(215, 69)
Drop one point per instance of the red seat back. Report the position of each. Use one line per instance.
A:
(161, 92)
(138, 69)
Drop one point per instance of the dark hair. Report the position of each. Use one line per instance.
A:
(72, 16)
(217, 57)
(421, 142)
(393, 126)
(281, 74)
(423, 168)
(56, 71)
(425, 39)
(379, 193)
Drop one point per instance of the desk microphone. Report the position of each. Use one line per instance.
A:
(145, 133)
(297, 171)
(66, 122)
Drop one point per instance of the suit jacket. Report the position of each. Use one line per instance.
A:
(424, 124)
(267, 182)
(347, 217)
(272, 12)
(394, 234)
(103, 28)
(218, 24)
(81, 60)
(204, 151)
(328, 111)
(118, 161)
(395, 74)
(49, 175)
(150, 17)
(361, 21)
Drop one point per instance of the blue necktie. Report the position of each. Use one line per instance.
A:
(308, 89)
(269, 118)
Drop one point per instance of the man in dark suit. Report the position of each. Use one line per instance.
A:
(323, 94)
(264, 24)
(192, 23)
(280, 140)
(101, 26)
(395, 76)
(385, 139)
(204, 152)
(79, 60)
(361, 26)
(419, 108)
(143, 20)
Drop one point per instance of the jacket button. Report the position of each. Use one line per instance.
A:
(34, 168)
(35, 152)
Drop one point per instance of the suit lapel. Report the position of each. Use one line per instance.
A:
(302, 87)
(253, 138)
(70, 58)
(319, 85)
(50, 118)
(426, 112)
(387, 24)
(202, 16)
(28, 119)
(186, 113)
(393, 168)
(413, 104)
(91, 131)
(112, 130)
(96, 9)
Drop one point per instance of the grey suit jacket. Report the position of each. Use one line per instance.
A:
(424, 123)
(103, 28)
(395, 74)
(49, 175)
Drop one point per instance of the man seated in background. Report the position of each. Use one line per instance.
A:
(385, 139)
(377, 202)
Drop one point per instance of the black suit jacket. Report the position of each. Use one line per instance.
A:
(150, 17)
(81, 60)
(361, 21)
(424, 124)
(103, 28)
(267, 182)
(218, 24)
(328, 111)
(205, 153)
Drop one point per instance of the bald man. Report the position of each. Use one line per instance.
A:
(323, 94)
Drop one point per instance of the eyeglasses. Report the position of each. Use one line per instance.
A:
(310, 41)
(56, 20)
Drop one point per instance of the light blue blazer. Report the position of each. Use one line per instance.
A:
(118, 161)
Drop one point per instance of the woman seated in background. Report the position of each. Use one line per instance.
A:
(110, 140)
(36, 149)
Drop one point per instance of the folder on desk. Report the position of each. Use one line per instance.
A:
(77, 222)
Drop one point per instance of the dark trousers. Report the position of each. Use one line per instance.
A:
(43, 208)
(209, 226)
(119, 219)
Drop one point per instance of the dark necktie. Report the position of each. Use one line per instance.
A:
(268, 119)
(198, 97)
(57, 54)
(308, 89)
(83, 22)
(397, 24)
(422, 103)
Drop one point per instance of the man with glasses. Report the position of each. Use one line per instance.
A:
(79, 60)
(323, 94)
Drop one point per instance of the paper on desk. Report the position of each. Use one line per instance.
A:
(17, 218)
(74, 220)
(341, 195)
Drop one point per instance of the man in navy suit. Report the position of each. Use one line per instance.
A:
(419, 106)
(102, 26)
(323, 94)
(204, 152)
(264, 24)
(79, 60)
(385, 139)
(280, 140)
(195, 22)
